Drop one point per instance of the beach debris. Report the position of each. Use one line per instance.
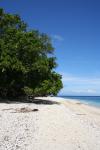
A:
(6, 138)
(25, 110)
(7, 109)
(21, 110)
(80, 114)
(78, 103)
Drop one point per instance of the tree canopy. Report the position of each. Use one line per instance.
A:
(27, 62)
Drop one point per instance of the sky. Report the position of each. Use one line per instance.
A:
(74, 26)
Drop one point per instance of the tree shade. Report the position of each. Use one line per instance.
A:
(26, 60)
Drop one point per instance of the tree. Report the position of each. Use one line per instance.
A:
(26, 60)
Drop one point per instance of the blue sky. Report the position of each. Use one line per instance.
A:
(74, 26)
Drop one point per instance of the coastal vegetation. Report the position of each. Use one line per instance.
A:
(27, 62)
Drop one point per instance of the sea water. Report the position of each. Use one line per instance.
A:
(90, 100)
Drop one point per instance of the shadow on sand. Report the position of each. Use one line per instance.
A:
(33, 101)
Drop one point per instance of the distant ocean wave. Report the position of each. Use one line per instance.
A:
(90, 100)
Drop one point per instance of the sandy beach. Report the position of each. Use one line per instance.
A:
(51, 124)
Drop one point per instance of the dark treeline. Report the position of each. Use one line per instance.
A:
(26, 60)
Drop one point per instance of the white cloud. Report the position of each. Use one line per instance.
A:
(75, 85)
(57, 37)
(84, 91)
(78, 91)
(80, 80)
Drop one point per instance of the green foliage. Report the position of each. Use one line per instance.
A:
(28, 90)
(25, 65)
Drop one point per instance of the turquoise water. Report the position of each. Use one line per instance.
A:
(90, 100)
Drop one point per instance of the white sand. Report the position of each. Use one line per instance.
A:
(68, 126)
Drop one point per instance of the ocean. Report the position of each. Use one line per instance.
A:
(90, 100)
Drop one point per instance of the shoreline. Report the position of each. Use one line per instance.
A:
(76, 101)
(53, 123)
(89, 103)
